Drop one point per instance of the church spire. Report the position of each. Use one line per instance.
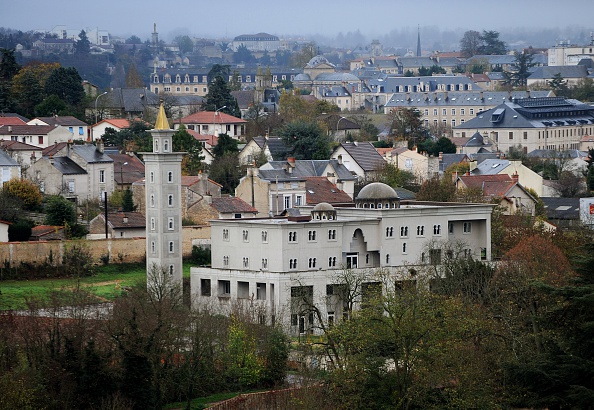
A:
(419, 41)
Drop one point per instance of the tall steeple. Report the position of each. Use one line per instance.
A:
(163, 205)
(419, 41)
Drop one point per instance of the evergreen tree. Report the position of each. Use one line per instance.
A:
(66, 83)
(82, 47)
(219, 96)
(59, 211)
(133, 78)
(8, 68)
(520, 70)
(128, 201)
(306, 140)
(183, 141)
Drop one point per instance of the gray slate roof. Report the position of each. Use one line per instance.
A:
(458, 98)
(364, 154)
(568, 71)
(90, 154)
(274, 170)
(491, 167)
(67, 166)
(562, 208)
(6, 160)
(63, 121)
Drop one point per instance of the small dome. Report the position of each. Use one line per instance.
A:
(377, 190)
(323, 206)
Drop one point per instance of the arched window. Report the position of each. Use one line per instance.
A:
(170, 200)
(171, 247)
(170, 177)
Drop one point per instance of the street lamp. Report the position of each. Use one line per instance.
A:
(122, 175)
(93, 128)
(214, 119)
(338, 122)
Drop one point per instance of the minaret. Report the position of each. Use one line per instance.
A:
(419, 41)
(155, 36)
(163, 205)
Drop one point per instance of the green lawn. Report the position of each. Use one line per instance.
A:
(106, 284)
(204, 402)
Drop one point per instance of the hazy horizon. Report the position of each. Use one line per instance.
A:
(311, 20)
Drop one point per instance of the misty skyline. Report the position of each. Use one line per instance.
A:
(307, 18)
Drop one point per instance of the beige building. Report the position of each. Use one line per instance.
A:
(569, 54)
(422, 166)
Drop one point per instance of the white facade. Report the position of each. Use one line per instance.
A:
(163, 204)
(262, 261)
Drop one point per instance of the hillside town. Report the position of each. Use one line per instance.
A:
(316, 226)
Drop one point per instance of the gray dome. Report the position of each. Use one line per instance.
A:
(323, 206)
(377, 190)
(318, 60)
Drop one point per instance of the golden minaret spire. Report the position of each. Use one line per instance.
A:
(161, 123)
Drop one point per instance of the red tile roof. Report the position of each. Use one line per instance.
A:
(11, 121)
(211, 140)
(497, 185)
(320, 189)
(232, 204)
(209, 117)
(117, 122)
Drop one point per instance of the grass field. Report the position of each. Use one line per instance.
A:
(108, 283)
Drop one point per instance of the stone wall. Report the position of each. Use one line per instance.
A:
(119, 250)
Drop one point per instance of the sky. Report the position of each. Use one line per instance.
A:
(230, 18)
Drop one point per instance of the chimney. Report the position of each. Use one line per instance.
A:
(33, 158)
(125, 219)
(51, 159)
(527, 93)
(509, 95)
(515, 177)
(100, 146)
(290, 164)
(408, 97)
(10, 128)
(441, 156)
(445, 95)
(482, 96)
(69, 148)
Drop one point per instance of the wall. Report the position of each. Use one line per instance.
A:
(131, 250)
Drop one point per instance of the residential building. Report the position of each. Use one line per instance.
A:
(41, 136)
(127, 169)
(116, 124)
(571, 75)
(339, 127)
(9, 168)
(422, 166)
(230, 207)
(360, 158)
(256, 42)
(47, 233)
(533, 123)
(502, 188)
(274, 148)
(24, 154)
(319, 74)
(453, 108)
(119, 225)
(280, 185)
(321, 190)
(268, 263)
(79, 129)
(4, 230)
(214, 123)
(569, 54)
(562, 212)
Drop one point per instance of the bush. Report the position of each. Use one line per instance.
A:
(59, 211)
(201, 256)
(20, 230)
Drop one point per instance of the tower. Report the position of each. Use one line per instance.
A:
(163, 205)
(155, 37)
(418, 41)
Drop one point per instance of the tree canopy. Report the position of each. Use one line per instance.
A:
(305, 140)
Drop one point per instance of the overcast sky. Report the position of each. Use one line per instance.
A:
(229, 18)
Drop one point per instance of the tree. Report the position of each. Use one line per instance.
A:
(227, 171)
(437, 189)
(133, 78)
(407, 124)
(558, 84)
(294, 108)
(520, 70)
(82, 46)
(305, 140)
(492, 45)
(183, 141)
(66, 83)
(8, 69)
(435, 147)
(243, 55)
(51, 105)
(470, 44)
(128, 201)
(225, 145)
(219, 96)
(25, 191)
(307, 52)
(429, 71)
(185, 44)
(59, 211)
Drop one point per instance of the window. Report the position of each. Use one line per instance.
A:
(153, 247)
(246, 262)
(387, 258)
(225, 288)
(152, 200)
(170, 223)
(420, 230)
(261, 290)
(312, 263)
(225, 234)
(311, 235)
(404, 247)
(352, 260)
(170, 200)
(426, 112)
(389, 232)
(462, 111)
(71, 129)
(434, 256)
(153, 224)
(292, 263)
(436, 229)
(471, 111)
(444, 111)
(204, 127)
(287, 202)
(205, 287)
(525, 135)
(403, 231)
(298, 200)
(450, 227)
(332, 261)
(264, 263)
(511, 135)
(152, 174)
(332, 234)
(225, 261)
(171, 269)
(245, 235)
(265, 236)
(101, 176)
(40, 139)
(292, 236)
(453, 122)
(170, 177)
(71, 187)
(435, 111)
(453, 111)
(171, 247)
(80, 131)
(467, 227)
